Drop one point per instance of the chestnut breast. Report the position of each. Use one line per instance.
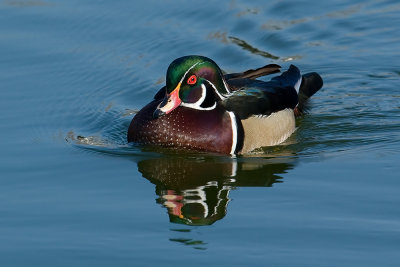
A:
(205, 130)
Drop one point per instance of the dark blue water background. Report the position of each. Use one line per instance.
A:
(74, 193)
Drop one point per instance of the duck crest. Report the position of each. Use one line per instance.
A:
(202, 67)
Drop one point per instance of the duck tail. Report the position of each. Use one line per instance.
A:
(310, 84)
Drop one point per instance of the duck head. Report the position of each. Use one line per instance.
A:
(194, 82)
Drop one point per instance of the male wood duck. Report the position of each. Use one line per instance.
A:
(202, 109)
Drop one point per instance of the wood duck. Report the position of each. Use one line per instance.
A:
(202, 109)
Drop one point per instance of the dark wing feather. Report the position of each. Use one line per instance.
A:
(253, 74)
(255, 97)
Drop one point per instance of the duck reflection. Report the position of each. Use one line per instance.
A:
(195, 190)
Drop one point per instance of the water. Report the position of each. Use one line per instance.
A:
(73, 193)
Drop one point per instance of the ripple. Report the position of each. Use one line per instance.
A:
(21, 4)
(283, 24)
(102, 73)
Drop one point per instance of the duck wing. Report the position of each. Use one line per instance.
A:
(253, 74)
(255, 97)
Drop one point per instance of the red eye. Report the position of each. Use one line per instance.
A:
(192, 80)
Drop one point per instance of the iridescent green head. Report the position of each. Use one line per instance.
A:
(193, 81)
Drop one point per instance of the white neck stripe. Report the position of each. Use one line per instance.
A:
(197, 104)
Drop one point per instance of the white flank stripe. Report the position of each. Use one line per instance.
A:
(234, 131)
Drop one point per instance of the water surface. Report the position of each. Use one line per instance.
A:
(74, 193)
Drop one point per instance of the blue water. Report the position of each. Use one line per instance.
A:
(74, 193)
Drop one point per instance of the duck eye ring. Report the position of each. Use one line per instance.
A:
(192, 80)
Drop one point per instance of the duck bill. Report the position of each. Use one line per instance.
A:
(169, 103)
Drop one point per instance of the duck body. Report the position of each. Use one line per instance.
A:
(202, 109)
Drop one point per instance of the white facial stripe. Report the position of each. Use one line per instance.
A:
(213, 86)
(197, 104)
(216, 91)
(184, 75)
(234, 131)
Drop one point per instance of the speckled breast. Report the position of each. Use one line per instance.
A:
(205, 130)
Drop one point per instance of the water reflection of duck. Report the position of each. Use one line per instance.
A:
(195, 191)
(202, 109)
